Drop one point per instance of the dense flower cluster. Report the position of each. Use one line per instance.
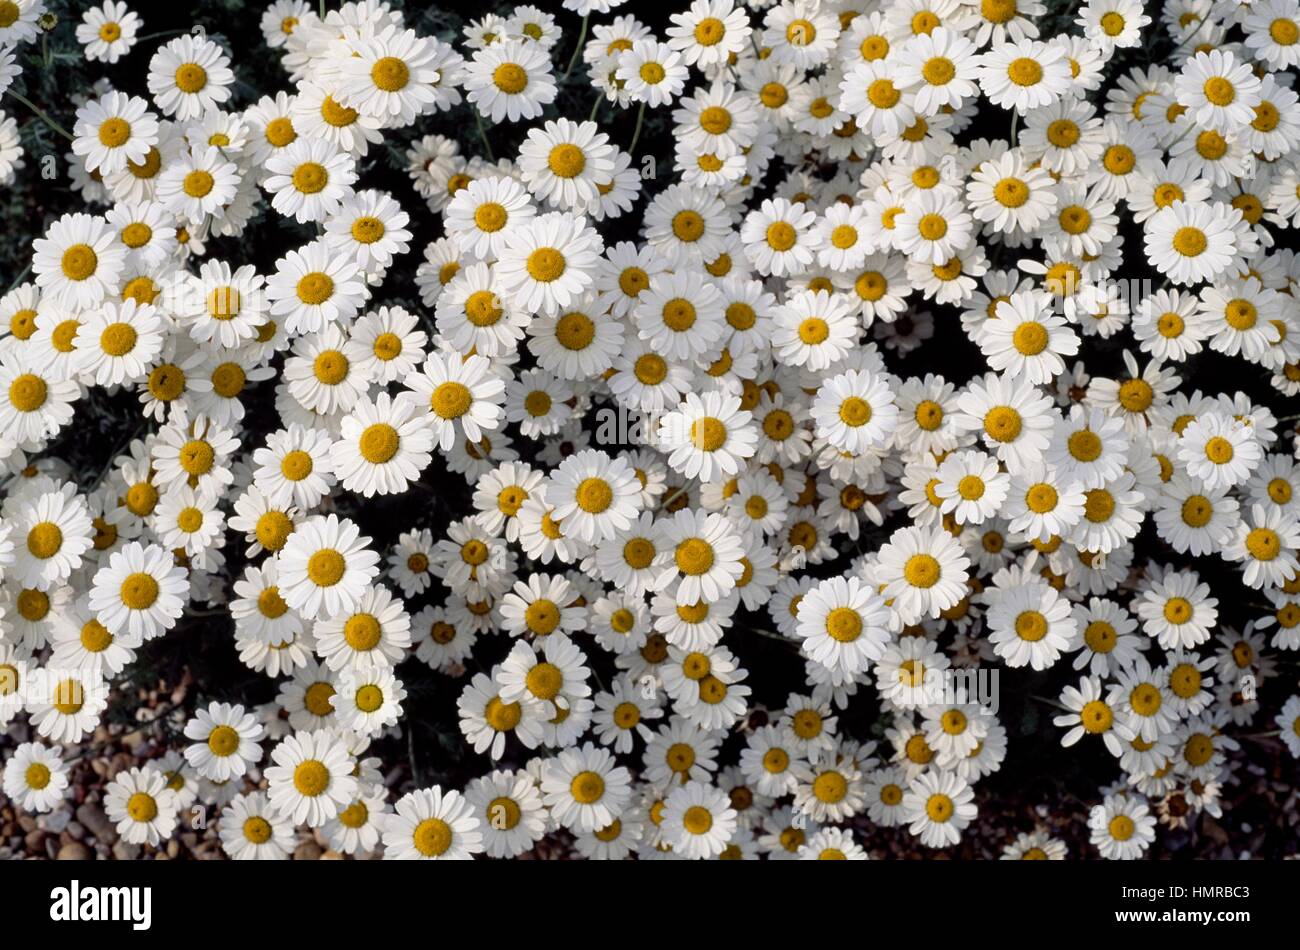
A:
(757, 463)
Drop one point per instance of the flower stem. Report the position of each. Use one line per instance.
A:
(482, 134)
(577, 50)
(159, 35)
(41, 114)
(28, 269)
(636, 135)
(1192, 35)
(672, 498)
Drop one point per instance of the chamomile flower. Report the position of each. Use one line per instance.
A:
(593, 495)
(383, 446)
(1023, 75)
(35, 403)
(108, 32)
(933, 227)
(801, 33)
(1031, 625)
(295, 466)
(199, 183)
(79, 261)
(563, 162)
(814, 329)
(1219, 91)
(549, 262)
(1267, 543)
(1191, 243)
(698, 820)
(325, 566)
(923, 572)
(35, 777)
(510, 80)
(709, 33)
(391, 75)
(309, 179)
(843, 625)
(258, 609)
(939, 68)
(584, 788)
(541, 606)
(652, 72)
(483, 212)
(705, 556)
(1243, 318)
(225, 741)
(53, 532)
(1009, 195)
(81, 642)
(1089, 448)
(252, 830)
(1122, 827)
(937, 807)
(112, 130)
(509, 808)
(778, 237)
(140, 591)
(1041, 505)
(1013, 421)
(1219, 451)
(368, 699)
(313, 287)
(139, 803)
(707, 436)
(1090, 713)
(1168, 325)
(621, 715)
(189, 76)
(855, 411)
(970, 486)
(311, 777)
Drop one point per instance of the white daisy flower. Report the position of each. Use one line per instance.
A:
(707, 437)
(108, 32)
(189, 76)
(584, 788)
(140, 804)
(112, 130)
(35, 777)
(225, 741)
(383, 446)
(938, 806)
(510, 80)
(251, 830)
(311, 777)
(325, 566)
(309, 179)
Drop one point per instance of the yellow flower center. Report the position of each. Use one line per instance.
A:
(510, 78)
(190, 78)
(311, 778)
(390, 74)
(1024, 71)
(545, 264)
(315, 288)
(326, 567)
(844, 624)
(921, 570)
(79, 262)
